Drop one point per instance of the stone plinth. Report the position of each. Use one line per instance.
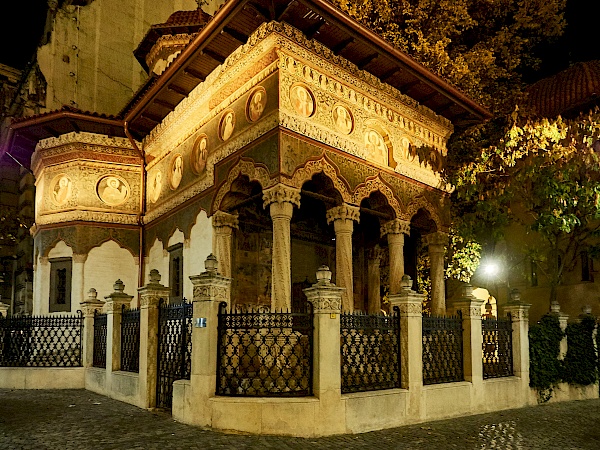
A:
(114, 307)
(519, 313)
(89, 307)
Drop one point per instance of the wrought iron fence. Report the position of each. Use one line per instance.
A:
(130, 340)
(497, 347)
(442, 349)
(36, 341)
(370, 352)
(263, 353)
(174, 349)
(100, 336)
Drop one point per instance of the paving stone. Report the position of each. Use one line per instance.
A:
(79, 419)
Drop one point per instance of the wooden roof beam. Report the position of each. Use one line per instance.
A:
(152, 117)
(238, 36)
(51, 131)
(339, 47)
(175, 88)
(259, 11)
(408, 86)
(367, 60)
(214, 55)
(194, 73)
(428, 97)
(310, 33)
(389, 74)
(165, 104)
(283, 12)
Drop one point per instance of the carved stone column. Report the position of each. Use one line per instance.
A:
(89, 306)
(223, 225)
(410, 304)
(395, 231)
(77, 277)
(150, 297)
(325, 298)
(343, 218)
(519, 313)
(210, 289)
(437, 242)
(470, 309)
(281, 199)
(374, 281)
(114, 308)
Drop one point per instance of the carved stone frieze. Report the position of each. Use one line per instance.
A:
(376, 184)
(308, 170)
(86, 216)
(411, 309)
(211, 292)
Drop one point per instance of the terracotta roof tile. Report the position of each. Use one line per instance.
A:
(567, 92)
(187, 18)
(66, 108)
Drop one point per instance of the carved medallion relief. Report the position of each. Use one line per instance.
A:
(199, 154)
(342, 119)
(112, 190)
(176, 171)
(61, 188)
(155, 186)
(302, 100)
(227, 125)
(256, 104)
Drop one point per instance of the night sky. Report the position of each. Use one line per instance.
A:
(24, 22)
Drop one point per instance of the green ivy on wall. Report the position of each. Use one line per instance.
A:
(581, 361)
(544, 348)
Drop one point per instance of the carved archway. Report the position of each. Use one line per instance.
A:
(311, 168)
(254, 173)
(422, 203)
(364, 190)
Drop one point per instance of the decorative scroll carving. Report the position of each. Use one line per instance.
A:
(437, 239)
(223, 219)
(343, 212)
(396, 226)
(281, 193)
(411, 309)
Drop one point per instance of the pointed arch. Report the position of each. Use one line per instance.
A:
(373, 184)
(422, 203)
(255, 173)
(305, 173)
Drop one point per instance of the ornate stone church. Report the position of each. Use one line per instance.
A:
(279, 135)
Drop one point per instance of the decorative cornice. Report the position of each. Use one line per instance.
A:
(343, 212)
(86, 216)
(281, 193)
(226, 220)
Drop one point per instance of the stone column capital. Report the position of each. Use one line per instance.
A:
(280, 193)
(91, 304)
(211, 287)
(343, 213)
(221, 219)
(395, 226)
(436, 241)
(375, 254)
(79, 257)
(153, 292)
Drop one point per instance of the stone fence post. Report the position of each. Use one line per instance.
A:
(563, 321)
(326, 299)
(150, 297)
(89, 307)
(470, 308)
(410, 304)
(210, 289)
(519, 313)
(114, 308)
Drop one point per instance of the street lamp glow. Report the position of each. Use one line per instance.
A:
(491, 268)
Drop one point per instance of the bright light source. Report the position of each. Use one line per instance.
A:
(491, 268)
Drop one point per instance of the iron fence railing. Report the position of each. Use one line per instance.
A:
(442, 349)
(370, 352)
(264, 354)
(497, 347)
(100, 337)
(174, 349)
(130, 340)
(41, 341)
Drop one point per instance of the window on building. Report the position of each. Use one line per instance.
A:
(586, 267)
(60, 285)
(534, 275)
(176, 272)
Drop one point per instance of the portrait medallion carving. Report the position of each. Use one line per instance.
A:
(176, 171)
(112, 190)
(155, 186)
(302, 100)
(342, 119)
(227, 125)
(199, 154)
(257, 101)
(61, 188)
(377, 150)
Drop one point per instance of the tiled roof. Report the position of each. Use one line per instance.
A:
(187, 18)
(65, 108)
(568, 92)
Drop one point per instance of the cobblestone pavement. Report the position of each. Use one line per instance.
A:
(78, 419)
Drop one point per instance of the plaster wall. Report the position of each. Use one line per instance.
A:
(158, 258)
(105, 265)
(195, 254)
(41, 280)
(89, 62)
